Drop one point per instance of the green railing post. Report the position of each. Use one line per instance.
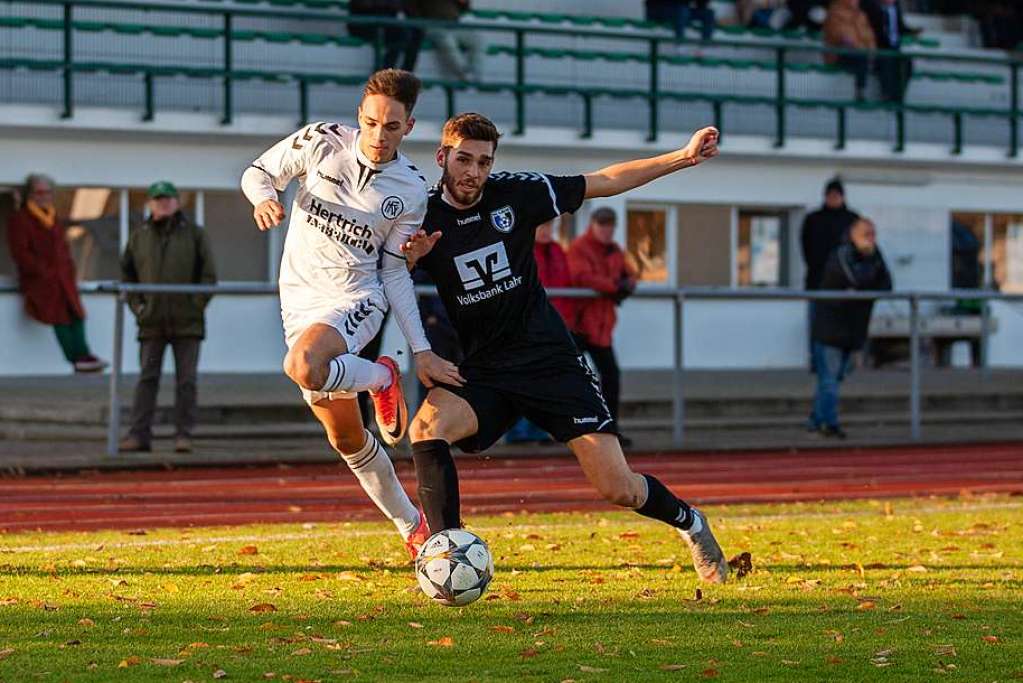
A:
(719, 119)
(840, 143)
(1014, 109)
(587, 114)
(520, 82)
(449, 100)
(654, 90)
(779, 139)
(149, 111)
(228, 67)
(957, 133)
(900, 128)
(68, 59)
(303, 101)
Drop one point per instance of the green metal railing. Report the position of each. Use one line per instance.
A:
(652, 91)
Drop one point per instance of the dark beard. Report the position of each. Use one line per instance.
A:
(463, 198)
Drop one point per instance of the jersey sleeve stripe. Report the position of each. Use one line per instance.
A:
(391, 253)
(554, 198)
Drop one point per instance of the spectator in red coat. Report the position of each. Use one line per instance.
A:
(552, 265)
(46, 273)
(597, 263)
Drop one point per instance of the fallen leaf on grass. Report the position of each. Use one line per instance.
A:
(248, 550)
(166, 662)
(502, 629)
(866, 604)
(709, 673)
(415, 624)
(831, 659)
(741, 564)
(220, 673)
(917, 569)
(86, 622)
(446, 641)
(301, 652)
(6, 652)
(129, 661)
(528, 652)
(592, 669)
(263, 607)
(990, 639)
(945, 651)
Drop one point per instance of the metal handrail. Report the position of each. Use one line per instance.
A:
(654, 91)
(121, 290)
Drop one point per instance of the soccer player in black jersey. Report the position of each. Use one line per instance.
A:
(520, 360)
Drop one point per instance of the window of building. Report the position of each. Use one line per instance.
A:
(999, 238)
(761, 246)
(647, 245)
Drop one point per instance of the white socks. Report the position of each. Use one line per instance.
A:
(373, 468)
(349, 373)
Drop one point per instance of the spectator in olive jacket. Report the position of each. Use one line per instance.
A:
(167, 249)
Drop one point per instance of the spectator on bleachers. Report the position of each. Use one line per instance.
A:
(806, 14)
(823, 230)
(889, 26)
(597, 262)
(840, 327)
(46, 274)
(847, 26)
(763, 13)
(677, 14)
(458, 51)
(167, 249)
(1000, 23)
(400, 44)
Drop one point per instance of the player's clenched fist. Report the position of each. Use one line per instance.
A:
(702, 146)
(268, 214)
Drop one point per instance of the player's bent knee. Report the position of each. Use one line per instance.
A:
(423, 428)
(298, 365)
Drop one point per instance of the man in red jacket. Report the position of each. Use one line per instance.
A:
(597, 263)
(552, 267)
(46, 273)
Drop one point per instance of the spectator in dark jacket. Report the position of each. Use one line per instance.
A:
(677, 13)
(167, 249)
(890, 29)
(398, 42)
(823, 230)
(46, 274)
(840, 327)
(598, 263)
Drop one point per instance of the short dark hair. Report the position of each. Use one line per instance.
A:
(469, 126)
(604, 216)
(403, 86)
(835, 185)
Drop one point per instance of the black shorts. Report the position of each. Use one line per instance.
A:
(561, 398)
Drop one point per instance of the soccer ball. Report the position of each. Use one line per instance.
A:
(454, 567)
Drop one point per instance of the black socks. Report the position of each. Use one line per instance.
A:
(438, 484)
(661, 504)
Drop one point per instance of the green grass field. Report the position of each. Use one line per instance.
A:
(894, 591)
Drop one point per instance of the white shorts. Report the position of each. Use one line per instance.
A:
(357, 321)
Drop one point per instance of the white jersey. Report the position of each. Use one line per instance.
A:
(349, 214)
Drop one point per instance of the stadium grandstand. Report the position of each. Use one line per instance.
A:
(108, 96)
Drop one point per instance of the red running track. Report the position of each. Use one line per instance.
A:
(205, 496)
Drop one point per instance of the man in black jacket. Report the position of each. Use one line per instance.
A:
(890, 29)
(840, 327)
(823, 230)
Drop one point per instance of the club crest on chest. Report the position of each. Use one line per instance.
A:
(503, 219)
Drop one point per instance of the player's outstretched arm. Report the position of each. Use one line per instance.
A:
(274, 169)
(628, 175)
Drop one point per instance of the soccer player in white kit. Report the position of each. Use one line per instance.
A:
(359, 201)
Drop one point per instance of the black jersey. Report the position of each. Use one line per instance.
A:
(485, 270)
